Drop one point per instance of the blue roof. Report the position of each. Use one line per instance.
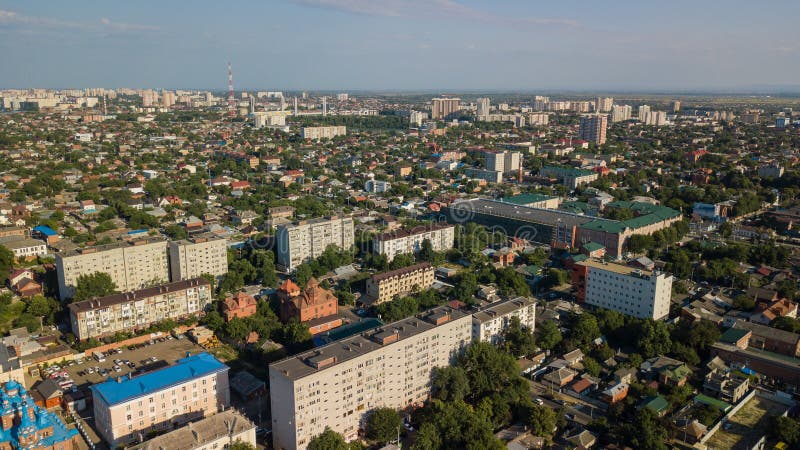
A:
(45, 230)
(139, 231)
(15, 400)
(114, 392)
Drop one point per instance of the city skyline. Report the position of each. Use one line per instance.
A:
(401, 46)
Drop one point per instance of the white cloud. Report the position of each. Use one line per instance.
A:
(432, 9)
(11, 18)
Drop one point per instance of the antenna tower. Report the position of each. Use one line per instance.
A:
(231, 99)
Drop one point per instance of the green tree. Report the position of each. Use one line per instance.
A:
(591, 366)
(450, 384)
(38, 306)
(6, 264)
(653, 338)
(518, 340)
(303, 274)
(213, 320)
(383, 425)
(175, 232)
(542, 420)
(328, 440)
(237, 329)
(548, 335)
(29, 321)
(428, 438)
(93, 285)
(240, 445)
(268, 276)
(785, 429)
(585, 330)
(744, 302)
(426, 252)
(466, 287)
(296, 332)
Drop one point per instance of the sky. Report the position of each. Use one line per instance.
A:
(403, 45)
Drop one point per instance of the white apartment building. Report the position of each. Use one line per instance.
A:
(538, 118)
(131, 265)
(337, 385)
(644, 110)
(128, 408)
(503, 161)
(323, 132)
(593, 128)
(263, 119)
(301, 241)
(657, 118)
(417, 118)
(215, 432)
(491, 321)
(391, 244)
(621, 113)
(135, 310)
(443, 107)
(193, 257)
(484, 105)
(24, 248)
(377, 186)
(383, 287)
(628, 290)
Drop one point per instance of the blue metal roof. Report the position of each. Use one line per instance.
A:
(45, 230)
(201, 364)
(16, 401)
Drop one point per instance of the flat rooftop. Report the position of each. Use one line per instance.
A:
(550, 217)
(310, 362)
(613, 267)
(118, 391)
(502, 307)
(113, 246)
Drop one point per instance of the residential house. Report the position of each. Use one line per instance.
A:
(240, 305)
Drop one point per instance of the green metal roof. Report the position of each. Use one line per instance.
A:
(657, 404)
(706, 400)
(593, 247)
(733, 335)
(608, 226)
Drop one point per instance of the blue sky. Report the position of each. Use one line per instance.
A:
(402, 44)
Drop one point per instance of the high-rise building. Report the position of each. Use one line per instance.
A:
(676, 105)
(343, 96)
(393, 243)
(634, 292)
(538, 118)
(644, 110)
(593, 128)
(417, 118)
(198, 255)
(149, 98)
(167, 99)
(139, 309)
(443, 107)
(337, 385)
(656, 118)
(483, 107)
(301, 241)
(603, 104)
(131, 265)
(503, 161)
(127, 408)
(621, 113)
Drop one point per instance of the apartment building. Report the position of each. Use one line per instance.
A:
(631, 291)
(301, 241)
(323, 132)
(391, 244)
(621, 113)
(138, 309)
(383, 287)
(193, 257)
(569, 176)
(593, 128)
(338, 384)
(219, 431)
(128, 408)
(443, 107)
(132, 264)
(23, 248)
(489, 323)
(503, 161)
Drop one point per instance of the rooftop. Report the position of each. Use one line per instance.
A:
(125, 388)
(401, 271)
(307, 363)
(745, 426)
(112, 246)
(116, 299)
(501, 308)
(525, 199)
(397, 234)
(196, 434)
(613, 267)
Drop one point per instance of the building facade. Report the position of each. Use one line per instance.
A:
(443, 107)
(323, 132)
(383, 287)
(139, 309)
(634, 292)
(196, 256)
(301, 241)
(131, 265)
(313, 305)
(593, 128)
(441, 237)
(28, 426)
(127, 409)
(337, 385)
(24, 248)
(491, 321)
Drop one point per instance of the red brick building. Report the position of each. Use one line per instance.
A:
(314, 305)
(240, 305)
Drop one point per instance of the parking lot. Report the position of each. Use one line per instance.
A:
(142, 357)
